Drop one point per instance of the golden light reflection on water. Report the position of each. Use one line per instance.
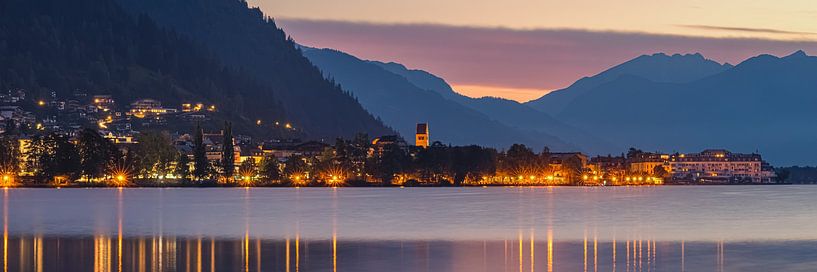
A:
(683, 251)
(550, 250)
(102, 253)
(198, 255)
(614, 255)
(520, 251)
(38, 253)
(5, 229)
(532, 255)
(114, 250)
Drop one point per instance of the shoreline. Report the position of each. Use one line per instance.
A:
(228, 186)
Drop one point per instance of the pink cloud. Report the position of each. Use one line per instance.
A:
(522, 59)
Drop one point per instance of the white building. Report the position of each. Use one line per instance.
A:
(720, 165)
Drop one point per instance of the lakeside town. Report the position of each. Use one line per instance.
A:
(92, 140)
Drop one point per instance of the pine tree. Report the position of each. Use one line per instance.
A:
(183, 167)
(10, 156)
(269, 169)
(11, 127)
(200, 163)
(96, 153)
(227, 152)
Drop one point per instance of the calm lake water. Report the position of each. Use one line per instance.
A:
(669, 228)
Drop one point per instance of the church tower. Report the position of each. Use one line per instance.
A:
(421, 138)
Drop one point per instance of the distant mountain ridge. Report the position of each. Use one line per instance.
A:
(402, 103)
(765, 104)
(669, 103)
(506, 111)
(658, 67)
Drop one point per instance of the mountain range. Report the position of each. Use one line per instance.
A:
(226, 53)
(763, 104)
(668, 103)
(658, 67)
(405, 101)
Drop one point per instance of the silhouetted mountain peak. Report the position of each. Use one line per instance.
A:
(661, 67)
(658, 67)
(658, 58)
(797, 55)
(395, 65)
(767, 62)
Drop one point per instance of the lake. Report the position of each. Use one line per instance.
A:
(665, 228)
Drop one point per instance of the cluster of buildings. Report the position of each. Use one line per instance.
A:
(70, 114)
(247, 149)
(120, 124)
(712, 166)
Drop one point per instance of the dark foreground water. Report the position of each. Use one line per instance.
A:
(709, 228)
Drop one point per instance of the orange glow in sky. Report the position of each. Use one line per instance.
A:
(518, 94)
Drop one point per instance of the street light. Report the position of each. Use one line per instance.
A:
(7, 180)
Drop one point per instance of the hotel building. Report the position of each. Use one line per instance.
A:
(708, 166)
(145, 107)
(720, 165)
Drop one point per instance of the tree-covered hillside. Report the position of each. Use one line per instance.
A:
(243, 37)
(93, 45)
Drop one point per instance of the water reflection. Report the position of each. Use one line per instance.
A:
(321, 238)
(192, 254)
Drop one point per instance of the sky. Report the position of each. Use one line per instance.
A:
(522, 49)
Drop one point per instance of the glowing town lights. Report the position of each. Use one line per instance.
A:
(297, 180)
(335, 181)
(7, 180)
(246, 180)
(258, 122)
(288, 126)
(119, 174)
(41, 103)
(119, 179)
